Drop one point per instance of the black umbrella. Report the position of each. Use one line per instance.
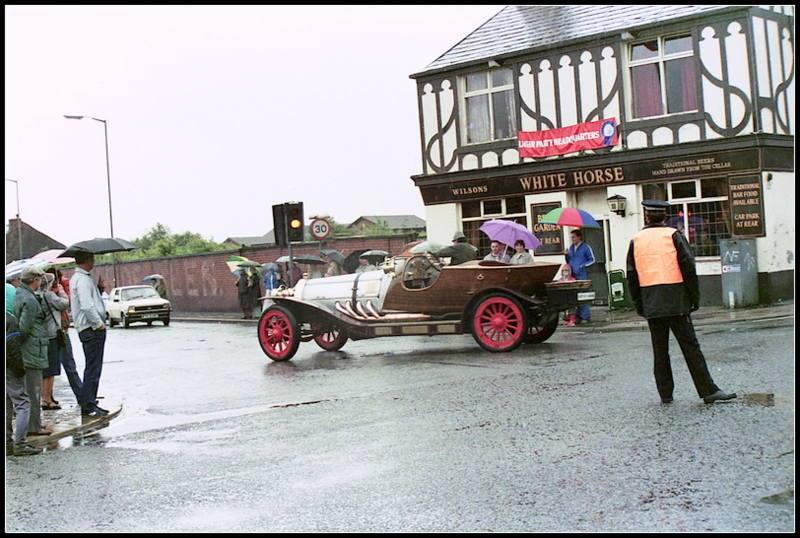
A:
(351, 261)
(309, 259)
(334, 255)
(380, 254)
(99, 245)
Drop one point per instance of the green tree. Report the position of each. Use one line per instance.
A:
(160, 242)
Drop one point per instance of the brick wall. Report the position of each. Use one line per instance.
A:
(204, 283)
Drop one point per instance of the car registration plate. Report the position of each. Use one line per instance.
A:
(147, 316)
(585, 295)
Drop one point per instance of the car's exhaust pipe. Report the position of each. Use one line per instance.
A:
(371, 310)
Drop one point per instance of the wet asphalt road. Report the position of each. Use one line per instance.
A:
(419, 434)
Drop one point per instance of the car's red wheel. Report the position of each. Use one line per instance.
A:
(499, 324)
(329, 338)
(278, 333)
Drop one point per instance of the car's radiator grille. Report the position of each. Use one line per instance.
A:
(150, 308)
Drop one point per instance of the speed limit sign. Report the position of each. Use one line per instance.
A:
(320, 229)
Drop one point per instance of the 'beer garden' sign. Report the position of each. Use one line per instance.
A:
(550, 235)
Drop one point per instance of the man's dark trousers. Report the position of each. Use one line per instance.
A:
(93, 345)
(684, 332)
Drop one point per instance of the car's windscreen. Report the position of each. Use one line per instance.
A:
(138, 293)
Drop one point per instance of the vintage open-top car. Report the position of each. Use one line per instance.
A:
(501, 305)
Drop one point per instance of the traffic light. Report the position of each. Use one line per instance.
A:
(278, 224)
(294, 219)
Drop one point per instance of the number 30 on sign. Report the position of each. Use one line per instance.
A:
(320, 229)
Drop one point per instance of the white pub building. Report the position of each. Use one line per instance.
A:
(600, 107)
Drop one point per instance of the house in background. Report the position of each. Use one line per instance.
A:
(266, 239)
(33, 241)
(397, 223)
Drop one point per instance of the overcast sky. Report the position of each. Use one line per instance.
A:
(216, 113)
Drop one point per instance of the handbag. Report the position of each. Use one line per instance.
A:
(61, 336)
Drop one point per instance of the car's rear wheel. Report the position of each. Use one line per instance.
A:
(542, 329)
(278, 333)
(498, 323)
(328, 337)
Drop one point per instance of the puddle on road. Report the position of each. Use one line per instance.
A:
(784, 497)
(765, 399)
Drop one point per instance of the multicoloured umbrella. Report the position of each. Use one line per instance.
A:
(234, 263)
(569, 216)
(509, 232)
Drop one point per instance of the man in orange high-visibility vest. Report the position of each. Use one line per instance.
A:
(665, 290)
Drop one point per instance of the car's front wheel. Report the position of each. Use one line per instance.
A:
(498, 323)
(111, 321)
(124, 320)
(165, 321)
(278, 333)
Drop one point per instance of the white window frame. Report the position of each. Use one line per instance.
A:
(694, 198)
(661, 59)
(489, 216)
(488, 91)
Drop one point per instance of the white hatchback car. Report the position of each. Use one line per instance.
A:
(130, 304)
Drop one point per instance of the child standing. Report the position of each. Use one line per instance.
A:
(566, 276)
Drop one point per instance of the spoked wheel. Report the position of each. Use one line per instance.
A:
(542, 329)
(278, 333)
(499, 323)
(328, 337)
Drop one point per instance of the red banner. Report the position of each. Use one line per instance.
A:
(589, 135)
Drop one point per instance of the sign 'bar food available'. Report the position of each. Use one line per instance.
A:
(589, 135)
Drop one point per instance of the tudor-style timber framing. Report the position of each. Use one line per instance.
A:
(588, 79)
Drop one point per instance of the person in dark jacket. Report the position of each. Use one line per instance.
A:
(32, 320)
(17, 400)
(460, 251)
(665, 290)
(243, 286)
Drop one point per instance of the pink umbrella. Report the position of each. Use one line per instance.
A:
(53, 258)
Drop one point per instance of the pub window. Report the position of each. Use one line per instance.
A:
(703, 218)
(512, 208)
(662, 75)
(488, 106)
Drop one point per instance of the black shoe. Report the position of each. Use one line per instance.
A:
(719, 395)
(94, 412)
(666, 400)
(104, 411)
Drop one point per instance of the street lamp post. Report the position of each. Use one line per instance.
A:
(19, 222)
(108, 179)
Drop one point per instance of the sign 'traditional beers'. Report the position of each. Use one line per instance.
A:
(589, 135)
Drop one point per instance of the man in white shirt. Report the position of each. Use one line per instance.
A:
(498, 253)
(88, 315)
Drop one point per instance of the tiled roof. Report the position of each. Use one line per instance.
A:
(518, 28)
(33, 241)
(396, 222)
(267, 238)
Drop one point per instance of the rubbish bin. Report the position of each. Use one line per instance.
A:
(739, 272)
(619, 298)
